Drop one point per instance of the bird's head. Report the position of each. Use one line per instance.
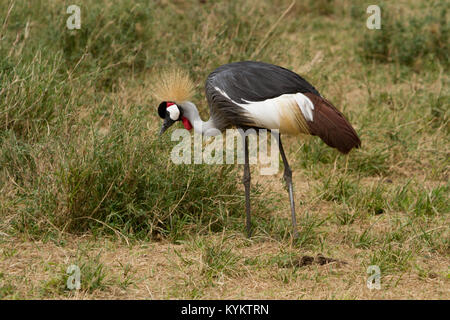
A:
(171, 113)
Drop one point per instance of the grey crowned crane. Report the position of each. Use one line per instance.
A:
(251, 94)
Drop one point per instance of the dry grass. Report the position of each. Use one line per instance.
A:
(164, 270)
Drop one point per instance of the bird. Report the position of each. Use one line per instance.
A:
(256, 95)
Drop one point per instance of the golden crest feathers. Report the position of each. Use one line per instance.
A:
(173, 85)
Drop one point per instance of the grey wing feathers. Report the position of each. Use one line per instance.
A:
(224, 112)
(256, 81)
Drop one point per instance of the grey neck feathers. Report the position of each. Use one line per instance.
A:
(206, 128)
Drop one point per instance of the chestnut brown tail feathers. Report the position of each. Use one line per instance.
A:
(331, 126)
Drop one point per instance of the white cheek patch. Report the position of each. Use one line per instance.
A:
(174, 112)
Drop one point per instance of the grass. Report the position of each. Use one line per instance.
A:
(411, 41)
(85, 179)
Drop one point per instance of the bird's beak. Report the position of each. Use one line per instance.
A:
(166, 125)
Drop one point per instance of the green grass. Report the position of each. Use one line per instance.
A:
(219, 260)
(6, 287)
(411, 41)
(68, 174)
(94, 275)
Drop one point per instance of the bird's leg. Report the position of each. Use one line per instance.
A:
(246, 181)
(288, 178)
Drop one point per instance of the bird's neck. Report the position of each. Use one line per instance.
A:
(206, 128)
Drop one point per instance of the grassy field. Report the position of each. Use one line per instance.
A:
(85, 179)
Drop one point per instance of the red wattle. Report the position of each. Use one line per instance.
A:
(186, 123)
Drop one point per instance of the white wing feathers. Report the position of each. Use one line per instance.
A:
(287, 113)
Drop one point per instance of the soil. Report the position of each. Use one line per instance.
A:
(319, 259)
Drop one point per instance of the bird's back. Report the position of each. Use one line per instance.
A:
(258, 94)
(256, 81)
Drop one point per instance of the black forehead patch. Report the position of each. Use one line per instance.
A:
(162, 109)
